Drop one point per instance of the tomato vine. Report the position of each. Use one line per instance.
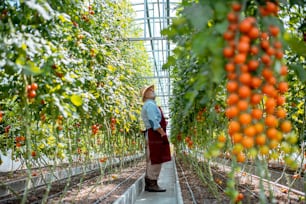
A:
(65, 68)
(204, 67)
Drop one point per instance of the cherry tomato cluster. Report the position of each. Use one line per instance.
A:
(20, 140)
(200, 115)
(59, 122)
(256, 83)
(86, 16)
(103, 159)
(189, 142)
(33, 154)
(113, 124)
(95, 129)
(31, 90)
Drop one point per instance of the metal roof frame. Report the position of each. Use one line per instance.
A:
(152, 17)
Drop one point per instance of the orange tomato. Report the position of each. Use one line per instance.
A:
(267, 73)
(231, 112)
(253, 65)
(256, 98)
(284, 70)
(244, 68)
(286, 126)
(240, 58)
(271, 7)
(280, 100)
(245, 118)
(272, 133)
(228, 35)
(259, 128)
(253, 33)
(230, 67)
(281, 113)
(274, 30)
(243, 47)
(265, 44)
(247, 142)
(256, 82)
(254, 50)
(245, 26)
(236, 137)
(283, 87)
(236, 6)
(233, 98)
(233, 127)
(271, 120)
(279, 54)
(242, 105)
(265, 58)
(240, 157)
(260, 139)
(228, 52)
(245, 78)
(256, 113)
(250, 131)
(277, 45)
(232, 17)
(232, 86)
(270, 103)
(244, 91)
(268, 89)
(221, 138)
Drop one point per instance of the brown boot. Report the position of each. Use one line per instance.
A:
(147, 184)
(154, 187)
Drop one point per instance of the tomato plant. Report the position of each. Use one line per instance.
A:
(66, 70)
(243, 56)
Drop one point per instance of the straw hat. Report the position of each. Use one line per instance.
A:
(144, 90)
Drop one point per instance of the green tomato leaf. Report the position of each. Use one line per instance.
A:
(20, 60)
(76, 100)
(217, 70)
(221, 10)
(300, 71)
(33, 68)
(297, 45)
(198, 15)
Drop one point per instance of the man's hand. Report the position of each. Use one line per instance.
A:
(165, 139)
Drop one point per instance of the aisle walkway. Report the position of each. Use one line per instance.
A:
(168, 180)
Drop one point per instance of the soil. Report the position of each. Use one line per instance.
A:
(22, 173)
(202, 192)
(104, 187)
(109, 186)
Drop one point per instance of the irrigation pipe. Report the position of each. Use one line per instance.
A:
(70, 186)
(245, 188)
(272, 182)
(279, 185)
(116, 187)
(188, 186)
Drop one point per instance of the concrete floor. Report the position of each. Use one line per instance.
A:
(167, 179)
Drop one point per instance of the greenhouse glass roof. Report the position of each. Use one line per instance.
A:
(153, 16)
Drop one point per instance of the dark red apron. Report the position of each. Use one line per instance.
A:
(159, 152)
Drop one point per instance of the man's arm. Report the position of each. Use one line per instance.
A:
(152, 111)
(161, 131)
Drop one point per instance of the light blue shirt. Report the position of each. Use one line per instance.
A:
(151, 114)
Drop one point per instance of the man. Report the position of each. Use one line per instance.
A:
(157, 144)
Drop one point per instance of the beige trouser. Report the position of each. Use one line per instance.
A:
(153, 170)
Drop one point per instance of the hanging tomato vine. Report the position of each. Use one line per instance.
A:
(69, 81)
(234, 74)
